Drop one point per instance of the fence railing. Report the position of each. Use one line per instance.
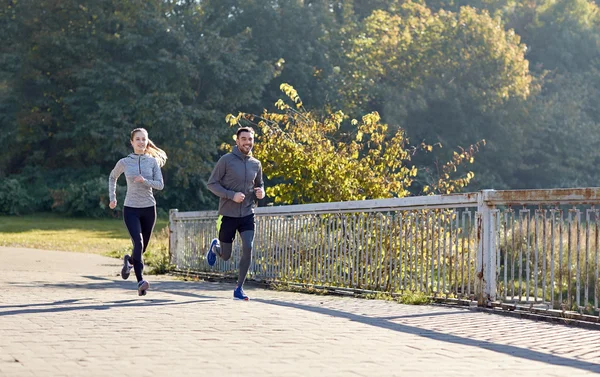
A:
(537, 248)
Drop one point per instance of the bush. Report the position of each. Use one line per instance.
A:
(88, 199)
(14, 198)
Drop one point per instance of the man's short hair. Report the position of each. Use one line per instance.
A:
(244, 129)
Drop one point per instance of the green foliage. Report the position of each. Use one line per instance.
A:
(313, 161)
(14, 199)
(414, 298)
(91, 72)
(566, 34)
(563, 134)
(467, 52)
(157, 256)
(299, 39)
(85, 199)
(27, 192)
(77, 76)
(444, 77)
(38, 191)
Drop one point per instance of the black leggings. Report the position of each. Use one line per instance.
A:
(140, 223)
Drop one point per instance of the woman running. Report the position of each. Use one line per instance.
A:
(142, 171)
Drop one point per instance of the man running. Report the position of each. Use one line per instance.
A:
(237, 181)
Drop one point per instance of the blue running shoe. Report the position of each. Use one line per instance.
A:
(211, 255)
(239, 294)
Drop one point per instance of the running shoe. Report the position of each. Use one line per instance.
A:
(239, 294)
(126, 267)
(143, 287)
(211, 254)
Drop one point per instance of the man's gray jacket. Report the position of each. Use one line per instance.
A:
(236, 172)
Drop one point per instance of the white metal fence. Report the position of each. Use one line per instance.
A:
(537, 248)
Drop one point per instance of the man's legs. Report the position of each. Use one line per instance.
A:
(246, 229)
(247, 243)
(227, 228)
(226, 250)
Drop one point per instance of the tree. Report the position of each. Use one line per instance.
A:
(298, 38)
(444, 52)
(443, 77)
(563, 137)
(311, 161)
(91, 71)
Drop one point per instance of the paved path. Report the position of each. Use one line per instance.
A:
(70, 314)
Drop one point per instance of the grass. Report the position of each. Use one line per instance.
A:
(96, 236)
(407, 297)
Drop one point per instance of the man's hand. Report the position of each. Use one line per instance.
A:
(239, 197)
(112, 204)
(260, 193)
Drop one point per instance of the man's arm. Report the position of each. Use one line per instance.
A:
(259, 188)
(258, 181)
(214, 182)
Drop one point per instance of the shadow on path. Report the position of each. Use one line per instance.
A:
(176, 288)
(62, 302)
(439, 336)
(102, 306)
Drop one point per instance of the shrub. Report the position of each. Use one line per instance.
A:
(88, 199)
(14, 198)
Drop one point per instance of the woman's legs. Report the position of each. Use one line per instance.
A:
(140, 223)
(131, 216)
(147, 221)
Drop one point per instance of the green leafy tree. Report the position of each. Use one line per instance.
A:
(565, 36)
(300, 39)
(89, 72)
(444, 77)
(563, 136)
(445, 52)
(310, 160)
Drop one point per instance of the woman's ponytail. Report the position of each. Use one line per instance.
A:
(157, 153)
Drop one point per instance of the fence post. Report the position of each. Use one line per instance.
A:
(492, 255)
(172, 236)
(485, 289)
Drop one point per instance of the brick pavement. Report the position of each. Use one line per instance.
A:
(70, 314)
